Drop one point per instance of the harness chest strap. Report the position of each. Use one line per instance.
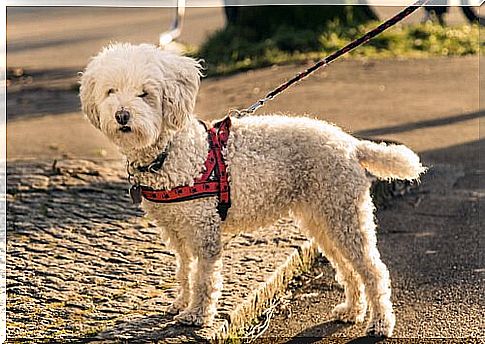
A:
(214, 180)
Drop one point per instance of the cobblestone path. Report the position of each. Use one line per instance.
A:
(83, 263)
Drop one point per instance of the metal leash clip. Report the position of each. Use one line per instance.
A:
(248, 111)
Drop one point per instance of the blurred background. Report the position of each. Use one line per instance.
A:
(424, 70)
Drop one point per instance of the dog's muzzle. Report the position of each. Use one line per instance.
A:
(122, 117)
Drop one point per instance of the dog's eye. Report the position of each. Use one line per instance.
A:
(111, 91)
(143, 95)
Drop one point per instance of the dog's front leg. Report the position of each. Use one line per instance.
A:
(184, 259)
(206, 279)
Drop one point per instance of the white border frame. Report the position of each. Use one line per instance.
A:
(131, 3)
(218, 3)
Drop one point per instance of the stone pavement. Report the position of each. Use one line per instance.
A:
(84, 264)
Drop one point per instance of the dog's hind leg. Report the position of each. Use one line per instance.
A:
(355, 305)
(352, 231)
(347, 210)
(206, 279)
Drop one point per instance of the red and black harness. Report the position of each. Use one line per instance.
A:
(213, 181)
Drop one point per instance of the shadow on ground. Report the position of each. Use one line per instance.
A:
(434, 233)
(78, 194)
(156, 327)
(317, 332)
(422, 124)
(469, 156)
(42, 92)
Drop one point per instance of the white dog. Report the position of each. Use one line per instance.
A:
(142, 99)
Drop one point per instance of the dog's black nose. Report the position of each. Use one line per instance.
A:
(122, 116)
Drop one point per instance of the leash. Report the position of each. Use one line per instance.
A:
(332, 57)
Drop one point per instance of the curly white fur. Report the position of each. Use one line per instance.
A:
(278, 166)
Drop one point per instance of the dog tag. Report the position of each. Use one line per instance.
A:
(135, 193)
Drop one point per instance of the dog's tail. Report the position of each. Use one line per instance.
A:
(389, 161)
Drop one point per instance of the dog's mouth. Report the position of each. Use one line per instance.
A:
(125, 129)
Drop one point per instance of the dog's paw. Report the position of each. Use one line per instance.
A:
(177, 306)
(381, 326)
(348, 314)
(194, 317)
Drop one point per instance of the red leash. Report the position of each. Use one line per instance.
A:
(332, 57)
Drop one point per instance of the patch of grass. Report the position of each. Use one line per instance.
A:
(236, 48)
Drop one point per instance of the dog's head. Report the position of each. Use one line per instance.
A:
(135, 93)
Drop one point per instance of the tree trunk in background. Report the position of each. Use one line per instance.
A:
(268, 19)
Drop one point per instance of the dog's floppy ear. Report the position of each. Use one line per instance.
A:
(179, 91)
(88, 99)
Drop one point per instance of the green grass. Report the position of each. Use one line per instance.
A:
(234, 48)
